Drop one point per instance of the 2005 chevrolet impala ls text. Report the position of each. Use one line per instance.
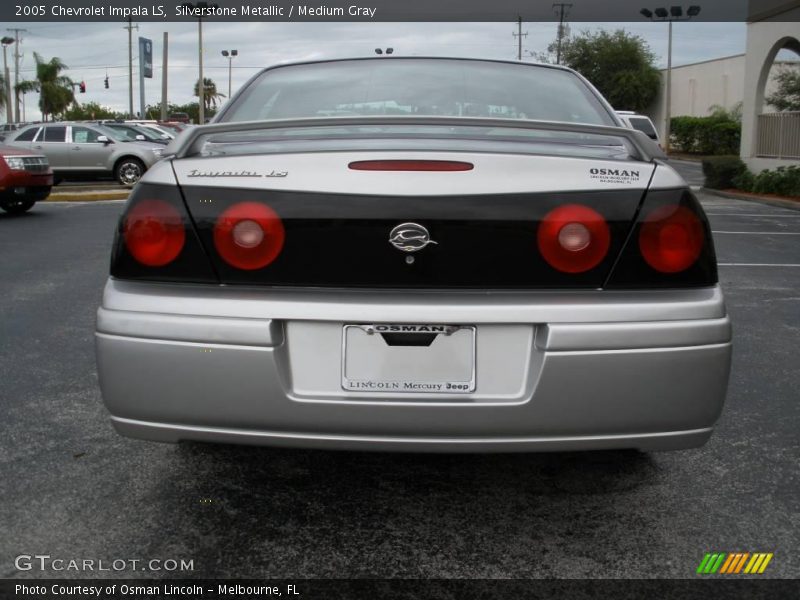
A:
(415, 254)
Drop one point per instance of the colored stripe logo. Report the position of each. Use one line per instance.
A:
(734, 563)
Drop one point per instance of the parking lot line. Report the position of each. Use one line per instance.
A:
(758, 265)
(768, 215)
(757, 232)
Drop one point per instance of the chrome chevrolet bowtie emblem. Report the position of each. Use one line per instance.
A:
(410, 237)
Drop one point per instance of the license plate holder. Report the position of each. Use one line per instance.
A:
(428, 359)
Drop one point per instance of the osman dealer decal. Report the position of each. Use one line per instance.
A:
(605, 175)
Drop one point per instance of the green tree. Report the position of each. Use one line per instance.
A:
(91, 111)
(619, 64)
(210, 94)
(787, 96)
(55, 90)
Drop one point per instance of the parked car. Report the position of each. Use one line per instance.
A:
(174, 127)
(534, 277)
(7, 128)
(153, 126)
(640, 123)
(180, 117)
(137, 133)
(25, 178)
(87, 149)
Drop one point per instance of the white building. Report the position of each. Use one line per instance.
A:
(769, 139)
(698, 87)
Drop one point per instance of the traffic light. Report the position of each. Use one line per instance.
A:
(106, 81)
(82, 87)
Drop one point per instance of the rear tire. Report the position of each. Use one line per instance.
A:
(129, 171)
(17, 207)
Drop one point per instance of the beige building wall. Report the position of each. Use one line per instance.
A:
(698, 87)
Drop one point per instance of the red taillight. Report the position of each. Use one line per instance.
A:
(671, 238)
(411, 165)
(573, 238)
(249, 235)
(154, 233)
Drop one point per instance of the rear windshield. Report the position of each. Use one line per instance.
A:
(645, 126)
(419, 87)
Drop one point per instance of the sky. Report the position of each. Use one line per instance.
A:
(92, 50)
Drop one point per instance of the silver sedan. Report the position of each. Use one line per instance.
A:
(415, 254)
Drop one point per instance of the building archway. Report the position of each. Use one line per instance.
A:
(786, 43)
(761, 147)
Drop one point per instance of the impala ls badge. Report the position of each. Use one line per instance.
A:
(410, 237)
(245, 173)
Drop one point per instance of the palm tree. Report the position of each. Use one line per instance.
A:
(210, 94)
(55, 90)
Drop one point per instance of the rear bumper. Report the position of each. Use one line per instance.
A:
(555, 371)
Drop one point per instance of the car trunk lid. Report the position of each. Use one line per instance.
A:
(343, 226)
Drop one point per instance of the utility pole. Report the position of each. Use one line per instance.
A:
(562, 10)
(519, 35)
(7, 41)
(16, 71)
(668, 114)
(201, 84)
(130, 27)
(164, 79)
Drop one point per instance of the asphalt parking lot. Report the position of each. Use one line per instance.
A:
(72, 488)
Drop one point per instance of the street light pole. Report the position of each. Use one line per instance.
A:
(230, 55)
(675, 13)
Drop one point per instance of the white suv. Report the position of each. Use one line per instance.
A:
(640, 123)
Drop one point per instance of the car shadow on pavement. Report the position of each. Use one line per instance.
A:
(572, 472)
(314, 513)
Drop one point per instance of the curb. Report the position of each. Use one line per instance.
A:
(88, 197)
(789, 204)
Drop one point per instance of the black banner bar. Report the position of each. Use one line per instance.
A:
(28, 11)
(417, 589)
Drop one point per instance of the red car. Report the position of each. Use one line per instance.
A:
(25, 178)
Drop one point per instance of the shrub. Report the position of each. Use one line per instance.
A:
(783, 181)
(720, 171)
(745, 181)
(723, 137)
(684, 133)
(716, 135)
